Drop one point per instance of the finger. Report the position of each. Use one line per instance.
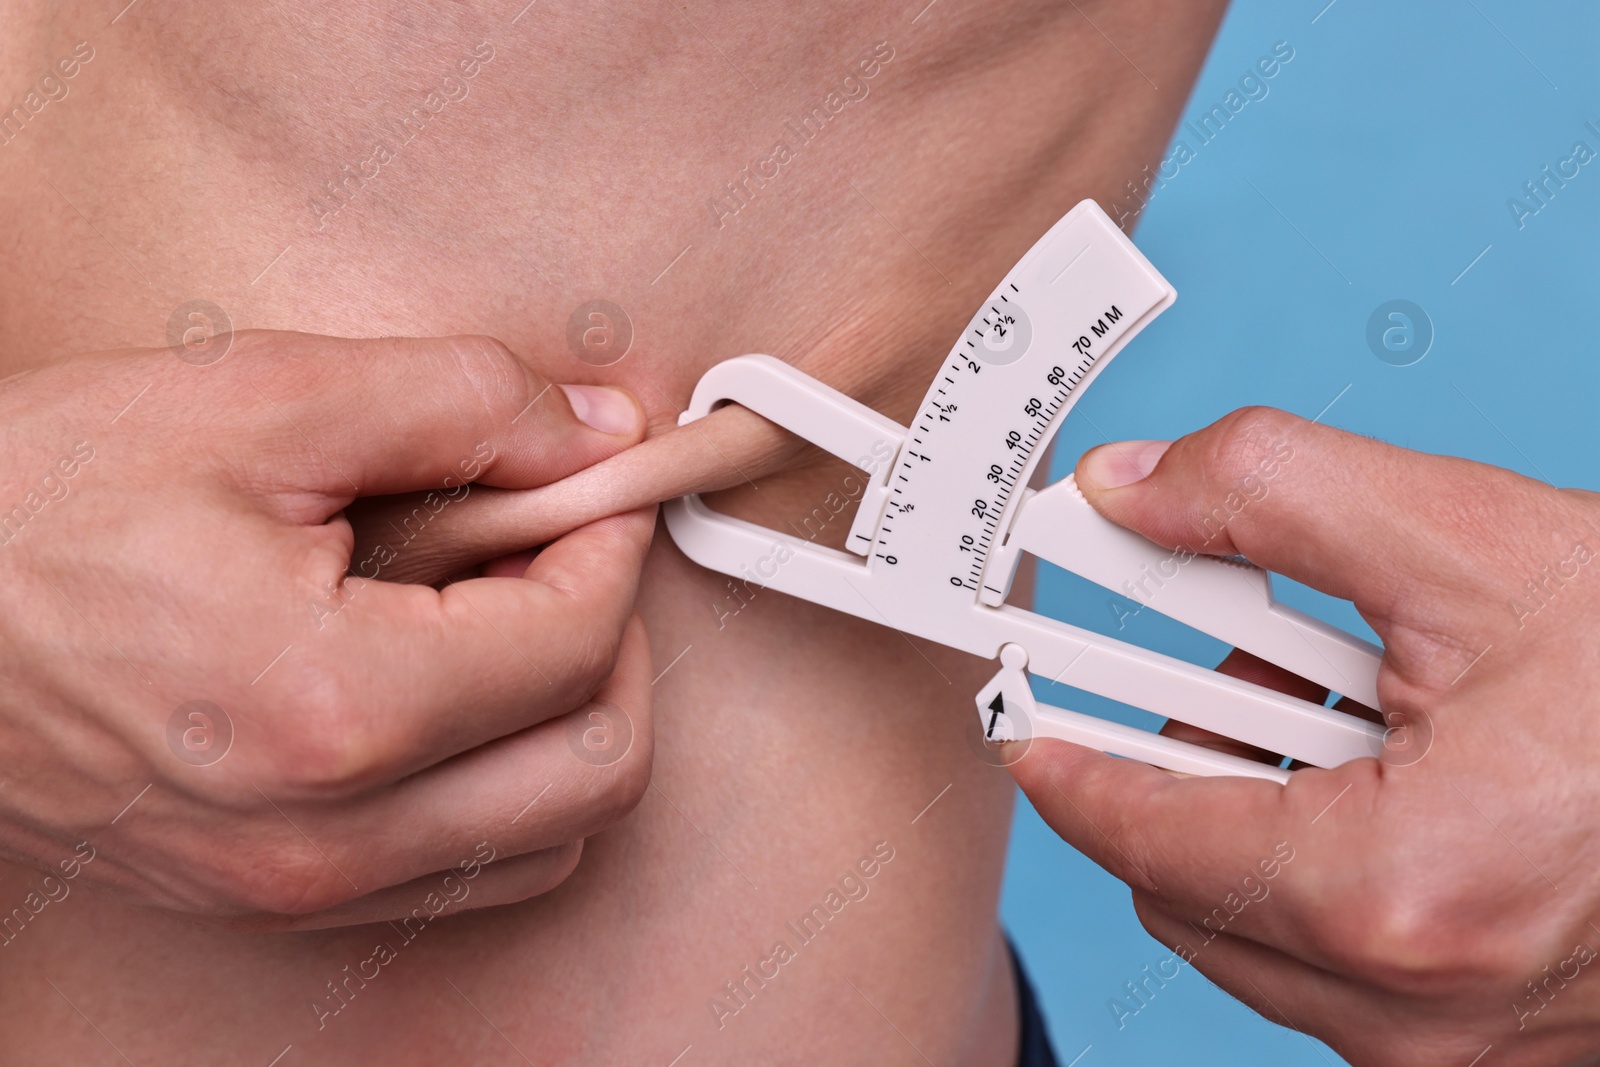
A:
(406, 676)
(389, 415)
(565, 779)
(432, 896)
(1191, 842)
(1275, 985)
(1242, 665)
(1350, 516)
(729, 447)
(1361, 1022)
(321, 863)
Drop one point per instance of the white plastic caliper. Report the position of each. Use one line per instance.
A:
(947, 513)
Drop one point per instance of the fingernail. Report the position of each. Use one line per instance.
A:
(1114, 466)
(606, 410)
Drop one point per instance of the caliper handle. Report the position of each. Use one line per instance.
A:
(1228, 599)
(1007, 711)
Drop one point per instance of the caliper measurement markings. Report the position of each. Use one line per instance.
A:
(962, 373)
(1006, 479)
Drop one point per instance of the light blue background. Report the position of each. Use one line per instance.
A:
(1391, 142)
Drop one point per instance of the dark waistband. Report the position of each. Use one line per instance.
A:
(1033, 1049)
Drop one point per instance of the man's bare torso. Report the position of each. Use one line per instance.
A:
(833, 183)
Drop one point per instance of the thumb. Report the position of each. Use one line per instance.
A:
(1353, 517)
(1198, 491)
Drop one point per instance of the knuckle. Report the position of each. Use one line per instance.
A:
(283, 357)
(502, 381)
(325, 747)
(1243, 441)
(619, 787)
(536, 872)
(281, 877)
(324, 555)
(1417, 940)
(591, 661)
(563, 862)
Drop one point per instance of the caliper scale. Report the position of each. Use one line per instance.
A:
(940, 528)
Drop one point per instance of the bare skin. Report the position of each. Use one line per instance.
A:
(581, 160)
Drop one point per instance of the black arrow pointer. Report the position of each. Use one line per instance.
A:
(997, 707)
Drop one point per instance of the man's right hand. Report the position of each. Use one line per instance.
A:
(242, 732)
